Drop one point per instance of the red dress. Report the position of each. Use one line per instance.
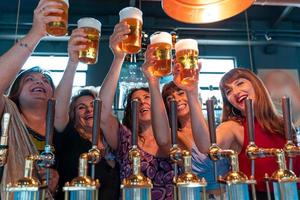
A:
(263, 165)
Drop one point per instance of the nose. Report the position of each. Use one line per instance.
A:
(38, 81)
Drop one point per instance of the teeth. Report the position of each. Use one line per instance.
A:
(38, 90)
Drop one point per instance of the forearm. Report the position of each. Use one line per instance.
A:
(159, 117)
(109, 86)
(199, 124)
(12, 61)
(63, 92)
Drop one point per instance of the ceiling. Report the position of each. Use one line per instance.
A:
(268, 21)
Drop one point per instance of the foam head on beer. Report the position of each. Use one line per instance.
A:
(162, 42)
(134, 18)
(59, 28)
(92, 28)
(187, 57)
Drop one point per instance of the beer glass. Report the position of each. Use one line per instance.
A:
(92, 28)
(187, 56)
(59, 28)
(133, 17)
(162, 41)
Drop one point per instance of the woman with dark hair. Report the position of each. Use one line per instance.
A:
(27, 100)
(155, 163)
(201, 163)
(236, 86)
(75, 122)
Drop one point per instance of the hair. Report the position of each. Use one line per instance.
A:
(72, 113)
(169, 89)
(264, 109)
(16, 87)
(127, 121)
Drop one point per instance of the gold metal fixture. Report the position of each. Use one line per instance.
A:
(204, 11)
(83, 186)
(27, 187)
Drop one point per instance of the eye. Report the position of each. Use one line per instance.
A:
(169, 98)
(181, 92)
(45, 80)
(240, 83)
(147, 97)
(28, 78)
(228, 91)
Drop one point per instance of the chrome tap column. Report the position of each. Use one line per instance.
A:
(136, 186)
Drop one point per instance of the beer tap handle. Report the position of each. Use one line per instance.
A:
(211, 120)
(286, 110)
(250, 130)
(4, 138)
(134, 117)
(96, 121)
(250, 120)
(212, 130)
(50, 121)
(173, 121)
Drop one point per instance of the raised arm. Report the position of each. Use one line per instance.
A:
(64, 90)
(109, 123)
(12, 61)
(227, 133)
(159, 117)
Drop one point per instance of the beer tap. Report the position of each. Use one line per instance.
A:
(283, 179)
(175, 151)
(290, 149)
(94, 154)
(4, 139)
(46, 159)
(83, 186)
(136, 186)
(27, 187)
(236, 181)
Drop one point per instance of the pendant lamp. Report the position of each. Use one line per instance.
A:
(204, 11)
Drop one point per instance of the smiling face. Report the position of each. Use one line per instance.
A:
(84, 112)
(238, 91)
(144, 111)
(182, 102)
(35, 89)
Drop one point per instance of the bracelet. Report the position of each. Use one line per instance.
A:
(24, 45)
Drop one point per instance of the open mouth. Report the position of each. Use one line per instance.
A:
(181, 106)
(38, 89)
(242, 98)
(143, 110)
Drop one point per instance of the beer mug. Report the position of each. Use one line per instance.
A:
(92, 28)
(59, 28)
(187, 56)
(162, 41)
(133, 17)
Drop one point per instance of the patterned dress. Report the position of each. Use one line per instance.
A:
(159, 170)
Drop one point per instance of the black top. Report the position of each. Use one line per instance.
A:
(72, 146)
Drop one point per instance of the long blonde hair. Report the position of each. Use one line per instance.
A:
(264, 109)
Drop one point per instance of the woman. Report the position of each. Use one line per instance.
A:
(75, 122)
(202, 165)
(155, 163)
(236, 86)
(27, 100)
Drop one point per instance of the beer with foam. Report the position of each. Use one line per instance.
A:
(162, 42)
(59, 28)
(92, 28)
(187, 56)
(133, 17)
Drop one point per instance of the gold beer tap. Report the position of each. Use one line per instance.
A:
(83, 183)
(290, 149)
(136, 179)
(28, 183)
(235, 176)
(4, 138)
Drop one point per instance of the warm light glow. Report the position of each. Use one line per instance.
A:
(211, 13)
